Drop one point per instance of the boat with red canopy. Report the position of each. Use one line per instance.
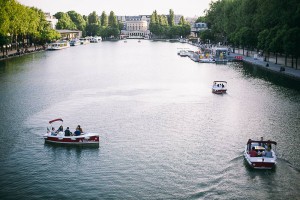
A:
(260, 154)
(59, 136)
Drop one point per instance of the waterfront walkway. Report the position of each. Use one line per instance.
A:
(271, 66)
(14, 53)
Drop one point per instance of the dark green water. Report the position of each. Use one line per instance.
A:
(164, 135)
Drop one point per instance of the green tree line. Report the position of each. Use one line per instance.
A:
(91, 25)
(272, 26)
(21, 25)
(164, 26)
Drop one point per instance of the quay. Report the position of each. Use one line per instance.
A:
(14, 53)
(270, 66)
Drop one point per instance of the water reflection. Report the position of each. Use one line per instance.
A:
(276, 78)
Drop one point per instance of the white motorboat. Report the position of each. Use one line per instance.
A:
(260, 154)
(219, 87)
(62, 138)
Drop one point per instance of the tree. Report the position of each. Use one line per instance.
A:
(171, 18)
(112, 20)
(93, 18)
(78, 20)
(104, 19)
(292, 43)
(65, 22)
(182, 21)
(200, 19)
(93, 29)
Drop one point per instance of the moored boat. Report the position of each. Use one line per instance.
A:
(75, 42)
(96, 39)
(61, 138)
(183, 53)
(260, 154)
(59, 45)
(84, 40)
(219, 87)
(206, 60)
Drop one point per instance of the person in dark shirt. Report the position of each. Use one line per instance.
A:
(253, 153)
(67, 132)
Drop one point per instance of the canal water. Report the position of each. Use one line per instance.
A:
(164, 135)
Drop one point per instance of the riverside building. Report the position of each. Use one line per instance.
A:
(135, 26)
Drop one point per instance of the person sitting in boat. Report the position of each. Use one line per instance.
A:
(67, 132)
(268, 146)
(253, 153)
(79, 128)
(60, 129)
(53, 131)
(77, 132)
(268, 153)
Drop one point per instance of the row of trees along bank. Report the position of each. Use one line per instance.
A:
(106, 26)
(162, 26)
(272, 26)
(20, 26)
(91, 25)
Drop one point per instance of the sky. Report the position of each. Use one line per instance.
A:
(187, 8)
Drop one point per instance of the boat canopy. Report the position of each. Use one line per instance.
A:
(55, 120)
(220, 81)
(261, 141)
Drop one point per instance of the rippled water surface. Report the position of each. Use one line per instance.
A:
(164, 135)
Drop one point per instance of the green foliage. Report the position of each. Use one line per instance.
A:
(93, 18)
(201, 19)
(112, 20)
(160, 26)
(182, 21)
(104, 19)
(171, 19)
(18, 22)
(78, 20)
(92, 29)
(270, 25)
(65, 22)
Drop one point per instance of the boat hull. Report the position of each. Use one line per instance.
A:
(82, 140)
(260, 162)
(219, 91)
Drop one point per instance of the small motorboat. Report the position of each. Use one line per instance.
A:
(219, 87)
(260, 154)
(183, 53)
(75, 42)
(59, 137)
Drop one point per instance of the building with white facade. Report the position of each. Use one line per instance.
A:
(135, 26)
(196, 28)
(51, 19)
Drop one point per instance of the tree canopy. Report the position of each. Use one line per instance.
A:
(164, 27)
(270, 25)
(23, 25)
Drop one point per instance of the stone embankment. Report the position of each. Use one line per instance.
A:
(20, 52)
(271, 66)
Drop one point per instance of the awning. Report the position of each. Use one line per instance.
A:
(55, 120)
(261, 141)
